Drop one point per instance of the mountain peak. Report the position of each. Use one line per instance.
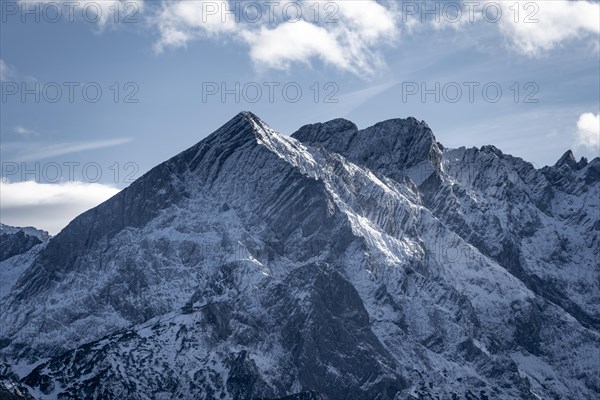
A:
(567, 159)
(394, 147)
(338, 132)
(244, 127)
(488, 148)
(248, 116)
(28, 230)
(249, 237)
(408, 121)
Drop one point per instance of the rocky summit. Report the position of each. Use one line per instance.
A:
(335, 263)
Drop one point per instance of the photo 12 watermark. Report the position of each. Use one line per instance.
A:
(68, 92)
(129, 12)
(455, 12)
(254, 92)
(69, 171)
(454, 92)
(93, 12)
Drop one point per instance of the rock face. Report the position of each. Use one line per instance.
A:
(16, 240)
(29, 230)
(334, 264)
(17, 248)
(15, 244)
(10, 387)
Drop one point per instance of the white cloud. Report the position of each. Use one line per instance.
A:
(350, 41)
(531, 27)
(347, 35)
(39, 150)
(181, 21)
(588, 131)
(296, 42)
(49, 206)
(557, 22)
(351, 35)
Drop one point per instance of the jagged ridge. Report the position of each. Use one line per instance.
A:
(356, 263)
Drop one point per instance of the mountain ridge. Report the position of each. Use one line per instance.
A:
(350, 262)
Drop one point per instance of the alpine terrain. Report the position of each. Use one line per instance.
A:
(336, 263)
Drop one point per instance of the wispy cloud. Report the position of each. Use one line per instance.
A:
(543, 25)
(7, 72)
(352, 43)
(49, 206)
(31, 151)
(355, 34)
(347, 35)
(349, 102)
(179, 22)
(25, 132)
(529, 27)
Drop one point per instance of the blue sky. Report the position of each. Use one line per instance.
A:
(162, 65)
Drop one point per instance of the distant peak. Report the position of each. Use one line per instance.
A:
(28, 230)
(339, 130)
(409, 128)
(392, 147)
(330, 127)
(492, 149)
(341, 123)
(403, 121)
(567, 159)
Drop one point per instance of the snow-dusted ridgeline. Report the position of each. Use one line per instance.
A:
(351, 263)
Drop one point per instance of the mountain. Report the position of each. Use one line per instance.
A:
(15, 240)
(42, 235)
(337, 263)
(17, 248)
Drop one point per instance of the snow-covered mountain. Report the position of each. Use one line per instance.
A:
(16, 240)
(337, 263)
(43, 236)
(18, 246)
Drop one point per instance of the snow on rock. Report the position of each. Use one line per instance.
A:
(335, 263)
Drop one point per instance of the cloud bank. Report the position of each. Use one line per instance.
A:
(49, 206)
(351, 35)
(347, 35)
